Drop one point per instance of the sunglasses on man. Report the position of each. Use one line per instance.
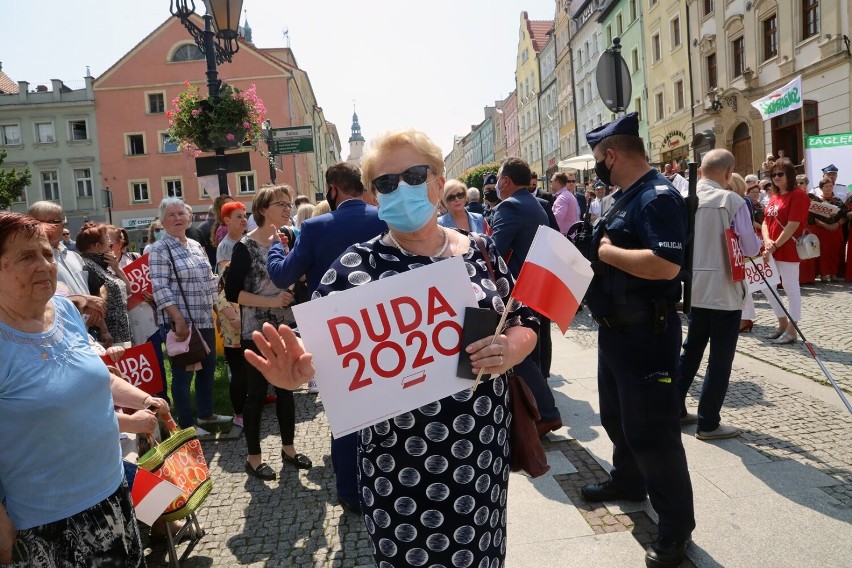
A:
(415, 175)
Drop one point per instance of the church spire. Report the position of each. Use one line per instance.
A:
(247, 29)
(356, 129)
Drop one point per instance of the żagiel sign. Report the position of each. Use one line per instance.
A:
(783, 100)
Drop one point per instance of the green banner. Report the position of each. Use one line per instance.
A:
(828, 140)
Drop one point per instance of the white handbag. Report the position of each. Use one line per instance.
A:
(807, 245)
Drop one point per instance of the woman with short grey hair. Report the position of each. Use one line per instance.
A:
(178, 262)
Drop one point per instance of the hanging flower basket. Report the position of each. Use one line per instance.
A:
(230, 120)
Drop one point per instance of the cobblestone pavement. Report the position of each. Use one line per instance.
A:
(295, 521)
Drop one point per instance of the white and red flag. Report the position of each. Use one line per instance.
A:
(151, 495)
(554, 278)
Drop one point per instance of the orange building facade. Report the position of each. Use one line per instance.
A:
(141, 166)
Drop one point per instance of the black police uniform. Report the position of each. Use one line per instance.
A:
(639, 340)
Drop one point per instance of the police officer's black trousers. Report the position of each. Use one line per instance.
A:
(640, 405)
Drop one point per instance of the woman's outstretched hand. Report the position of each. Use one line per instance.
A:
(282, 360)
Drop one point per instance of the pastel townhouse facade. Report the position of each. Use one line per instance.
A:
(53, 132)
(532, 37)
(513, 135)
(454, 161)
(668, 80)
(745, 50)
(141, 165)
(548, 118)
(586, 49)
(623, 19)
(499, 120)
(564, 83)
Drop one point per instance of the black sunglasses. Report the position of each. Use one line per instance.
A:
(415, 175)
(779, 175)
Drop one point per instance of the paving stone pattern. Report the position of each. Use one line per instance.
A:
(295, 521)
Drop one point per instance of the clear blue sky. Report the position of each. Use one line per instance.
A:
(429, 65)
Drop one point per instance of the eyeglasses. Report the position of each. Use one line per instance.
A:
(66, 234)
(572, 181)
(415, 175)
(778, 174)
(455, 197)
(282, 204)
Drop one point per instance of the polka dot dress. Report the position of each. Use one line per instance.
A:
(433, 481)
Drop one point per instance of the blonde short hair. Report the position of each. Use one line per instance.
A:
(737, 184)
(452, 186)
(321, 209)
(415, 139)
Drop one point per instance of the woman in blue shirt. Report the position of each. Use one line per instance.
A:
(455, 199)
(62, 502)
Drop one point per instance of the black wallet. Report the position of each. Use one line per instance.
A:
(478, 323)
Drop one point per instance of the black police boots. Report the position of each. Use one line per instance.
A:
(666, 553)
(607, 491)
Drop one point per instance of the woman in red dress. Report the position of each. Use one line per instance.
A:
(785, 220)
(830, 233)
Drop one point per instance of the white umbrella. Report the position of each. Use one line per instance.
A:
(583, 162)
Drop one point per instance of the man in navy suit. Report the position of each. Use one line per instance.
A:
(514, 224)
(321, 241)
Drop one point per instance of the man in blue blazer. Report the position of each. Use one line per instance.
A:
(516, 219)
(321, 241)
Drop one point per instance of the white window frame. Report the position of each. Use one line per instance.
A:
(243, 175)
(660, 106)
(675, 94)
(171, 179)
(36, 131)
(3, 128)
(86, 186)
(672, 37)
(54, 183)
(656, 47)
(131, 189)
(148, 95)
(163, 136)
(127, 145)
(71, 122)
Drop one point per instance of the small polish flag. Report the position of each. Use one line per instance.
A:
(554, 278)
(151, 495)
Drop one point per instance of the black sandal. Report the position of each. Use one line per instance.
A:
(262, 471)
(300, 461)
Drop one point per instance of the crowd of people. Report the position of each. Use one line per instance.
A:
(240, 273)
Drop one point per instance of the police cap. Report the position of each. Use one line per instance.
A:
(489, 179)
(627, 124)
(830, 169)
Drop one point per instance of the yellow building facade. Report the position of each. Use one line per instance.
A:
(669, 112)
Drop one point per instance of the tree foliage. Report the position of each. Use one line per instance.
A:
(12, 183)
(473, 176)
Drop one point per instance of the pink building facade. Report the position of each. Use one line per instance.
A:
(138, 162)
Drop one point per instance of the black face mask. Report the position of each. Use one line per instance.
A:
(332, 201)
(491, 195)
(603, 172)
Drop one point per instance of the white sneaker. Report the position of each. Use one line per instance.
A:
(216, 419)
(312, 387)
(199, 431)
(720, 433)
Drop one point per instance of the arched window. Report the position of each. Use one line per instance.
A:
(188, 52)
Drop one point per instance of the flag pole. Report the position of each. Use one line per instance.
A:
(500, 325)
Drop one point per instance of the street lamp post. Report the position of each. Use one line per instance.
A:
(218, 47)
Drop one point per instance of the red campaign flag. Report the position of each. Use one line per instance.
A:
(554, 278)
(738, 269)
(151, 495)
(139, 367)
(139, 275)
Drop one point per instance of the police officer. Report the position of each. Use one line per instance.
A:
(840, 190)
(489, 195)
(637, 256)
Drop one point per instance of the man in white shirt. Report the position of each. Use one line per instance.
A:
(71, 272)
(595, 205)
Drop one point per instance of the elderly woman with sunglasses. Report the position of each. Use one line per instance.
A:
(433, 481)
(785, 219)
(457, 216)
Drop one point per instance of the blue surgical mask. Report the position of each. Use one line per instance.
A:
(407, 209)
(158, 234)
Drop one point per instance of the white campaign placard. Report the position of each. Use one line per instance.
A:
(389, 346)
(769, 269)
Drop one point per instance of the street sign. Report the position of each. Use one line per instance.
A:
(291, 140)
(613, 78)
(236, 162)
